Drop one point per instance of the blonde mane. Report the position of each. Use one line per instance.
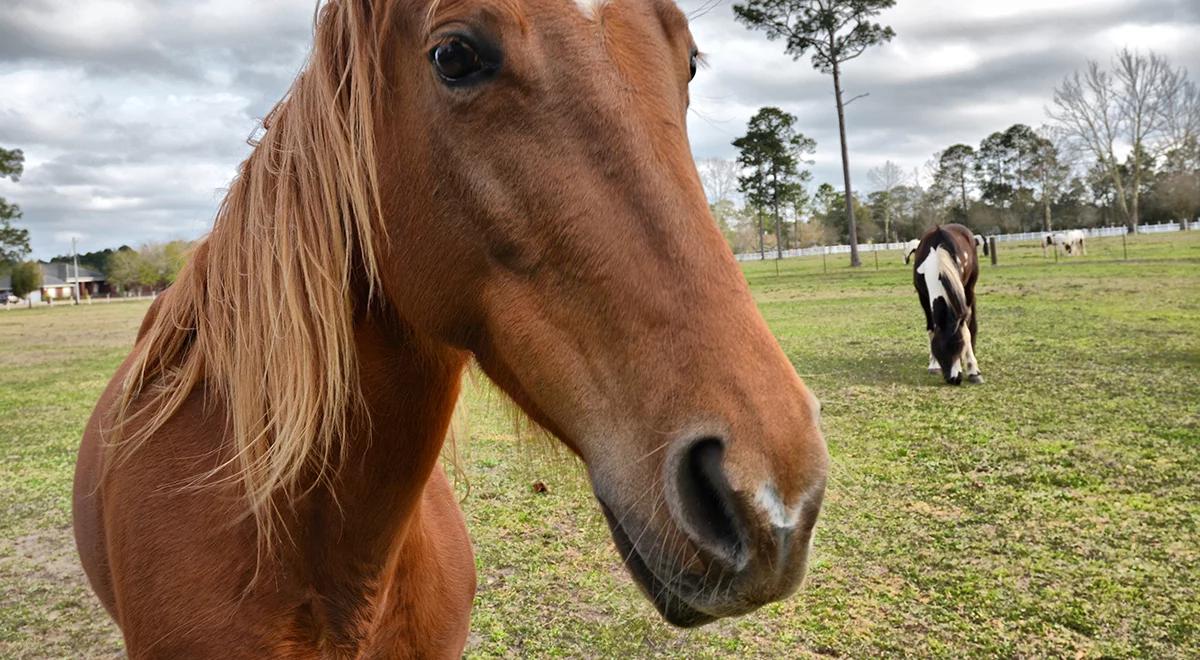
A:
(957, 294)
(263, 317)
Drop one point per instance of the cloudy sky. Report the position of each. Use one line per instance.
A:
(133, 114)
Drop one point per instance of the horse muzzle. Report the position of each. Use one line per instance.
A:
(719, 551)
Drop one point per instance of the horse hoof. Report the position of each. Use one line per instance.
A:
(975, 378)
(955, 380)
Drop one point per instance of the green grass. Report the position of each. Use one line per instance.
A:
(1050, 512)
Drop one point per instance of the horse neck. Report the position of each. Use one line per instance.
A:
(410, 387)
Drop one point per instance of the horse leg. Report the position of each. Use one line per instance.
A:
(968, 357)
(973, 374)
(934, 367)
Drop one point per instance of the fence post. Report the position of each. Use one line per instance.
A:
(1124, 248)
(824, 261)
(876, 251)
(992, 241)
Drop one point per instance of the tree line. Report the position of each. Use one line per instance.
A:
(1122, 147)
(151, 267)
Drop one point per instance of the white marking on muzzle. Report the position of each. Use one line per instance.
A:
(778, 513)
(590, 8)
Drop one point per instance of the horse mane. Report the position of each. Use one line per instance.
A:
(262, 317)
(949, 273)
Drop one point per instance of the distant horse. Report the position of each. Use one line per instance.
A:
(944, 274)
(1073, 243)
(980, 241)
(1056, 240)
(1076, 242)
(505, 181)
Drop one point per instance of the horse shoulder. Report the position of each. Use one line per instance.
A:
(169, 551)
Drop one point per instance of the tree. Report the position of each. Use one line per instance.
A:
(161, 262)
(155, 265)
(1132, 107)
(770, 153)
(14, 242)
(26, 278)
(1179, 186)
(1005, 166)
(97, 260)
(952, 175)
(835, 32)
(886, 178)
(832, 213)
(911, 211)
(1051, 172)
(719, 178)
(124, 269)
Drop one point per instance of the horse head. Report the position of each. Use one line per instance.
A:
(542, 210)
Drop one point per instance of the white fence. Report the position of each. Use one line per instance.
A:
(1093, 232)
(69, 302)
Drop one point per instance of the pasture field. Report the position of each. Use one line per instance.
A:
(1052, 511)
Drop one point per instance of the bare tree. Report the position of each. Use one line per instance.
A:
(1130, 107)
(1183, 118)
(719, 178)
(886, 178)
(1051, 168)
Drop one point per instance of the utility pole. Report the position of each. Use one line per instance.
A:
(75, 258)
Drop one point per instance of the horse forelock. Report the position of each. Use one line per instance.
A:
(263, 315)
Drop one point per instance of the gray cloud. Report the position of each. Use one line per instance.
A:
(956, 72)
(134, 113)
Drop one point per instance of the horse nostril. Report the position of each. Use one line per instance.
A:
(706, 502)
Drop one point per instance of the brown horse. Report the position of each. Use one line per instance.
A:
(509, 181)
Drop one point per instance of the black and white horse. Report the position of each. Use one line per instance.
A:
(981, 242)
(911, 247)
(945, 271)
(1073, 242)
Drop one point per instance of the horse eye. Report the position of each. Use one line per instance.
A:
(456, 60)
(692, 64)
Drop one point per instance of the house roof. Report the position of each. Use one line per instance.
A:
(59, 273)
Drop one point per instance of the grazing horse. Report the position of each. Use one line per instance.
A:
(1072, 243)
(1056, 240)
(980, 241)
(505, 182)
(1075, 242)
(944, 274)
